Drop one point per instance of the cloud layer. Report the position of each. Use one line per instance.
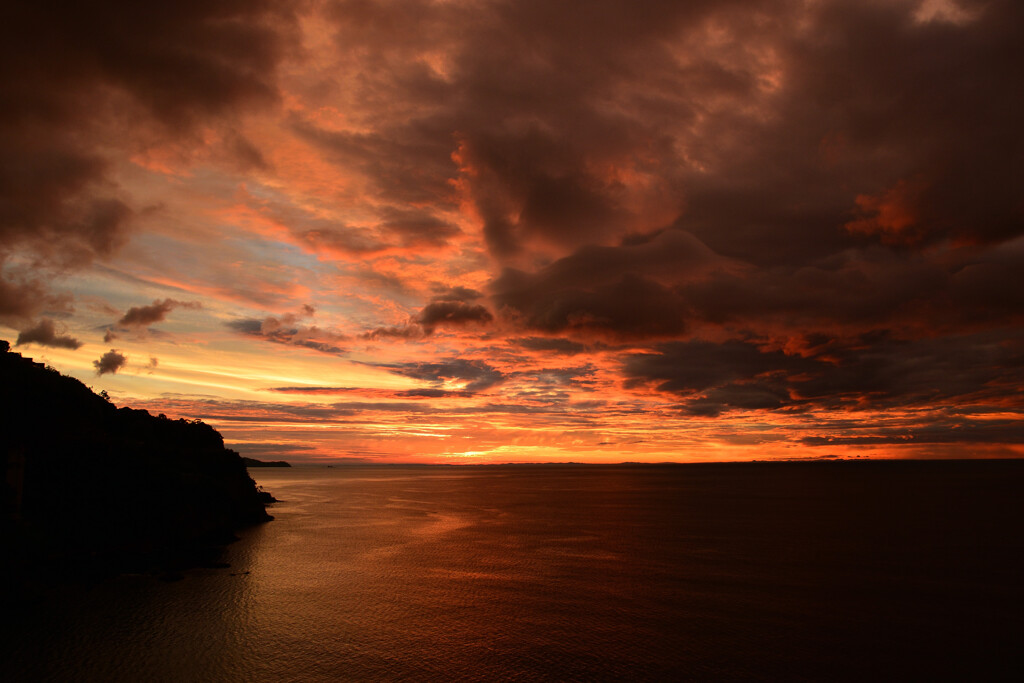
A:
(764, 224)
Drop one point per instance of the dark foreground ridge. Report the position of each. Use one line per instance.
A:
(90, 489)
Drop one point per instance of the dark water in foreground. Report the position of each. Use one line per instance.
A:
(816, 571)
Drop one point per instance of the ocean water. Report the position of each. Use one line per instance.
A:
(818, 571)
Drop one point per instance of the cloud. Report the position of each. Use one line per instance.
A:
(411, 331)
(450, 306)
(314, 390)
(111, 362)
(939, 430)
(722, 122)
(143, 316)
(432, 393)
(91, 84)
(872, 371)
(138, 318)
(552, 345)
(451, 313)
(285, 329)
(759, 210)
(45, 333)
(251, 326)
(365, 391)
(626, 291)
(456, 293)
(406, 169)
(712, 378)
(23, 296)
(477, 375)
(411, 230)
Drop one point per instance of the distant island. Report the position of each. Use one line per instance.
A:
(91, 488)
(253, 462)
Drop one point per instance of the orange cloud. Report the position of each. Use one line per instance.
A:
(894, 215)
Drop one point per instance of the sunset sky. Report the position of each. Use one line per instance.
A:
(527, 230)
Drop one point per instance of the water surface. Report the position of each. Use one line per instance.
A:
(812, 571)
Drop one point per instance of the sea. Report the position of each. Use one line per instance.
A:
(753, 571)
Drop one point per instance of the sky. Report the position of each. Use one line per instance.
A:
(477, 232)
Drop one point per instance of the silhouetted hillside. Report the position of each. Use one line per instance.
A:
(87, 480)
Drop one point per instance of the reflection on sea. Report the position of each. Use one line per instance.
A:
(570, 573)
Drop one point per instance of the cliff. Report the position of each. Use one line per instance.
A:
(87, 481)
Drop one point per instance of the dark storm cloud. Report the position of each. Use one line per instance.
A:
(451, 313)
(478, 374)
(110, 362)
(868, 288)
(45, 333)
(871, 371)
(611, 290)
(552, 345)
(959, 429)
(688, 367)
(860, 159)
(577, 83)
(86, 80)
(631, 306)
(182, 62)
(541, 181)
(529, 97)
(884, 129)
